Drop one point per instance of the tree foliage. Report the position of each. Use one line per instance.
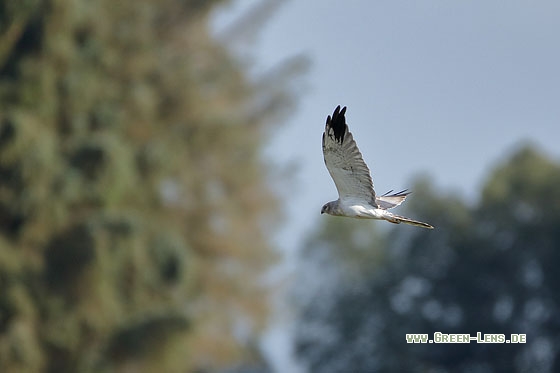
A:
(489, 268)
(133, 198)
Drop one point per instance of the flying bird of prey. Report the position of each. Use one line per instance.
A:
(356, 196)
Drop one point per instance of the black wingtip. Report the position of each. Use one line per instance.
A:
(336, 111)
(338, 123)
(404, 192)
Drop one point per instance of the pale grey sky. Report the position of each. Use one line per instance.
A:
(436, 87)
(440, 87)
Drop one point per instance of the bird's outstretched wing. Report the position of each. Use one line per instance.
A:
(345, 162)
(390, 199)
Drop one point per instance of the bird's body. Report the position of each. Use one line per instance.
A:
(356, 209)
(352, 178)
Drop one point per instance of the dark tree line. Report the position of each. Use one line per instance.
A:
(489, 268)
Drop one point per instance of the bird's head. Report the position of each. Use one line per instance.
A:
(328, 208)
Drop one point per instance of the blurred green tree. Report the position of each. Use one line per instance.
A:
(490, 268)
(133, 198)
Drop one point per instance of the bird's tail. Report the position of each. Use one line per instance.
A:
(397, 219)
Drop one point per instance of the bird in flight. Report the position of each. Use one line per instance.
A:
(356, 196)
